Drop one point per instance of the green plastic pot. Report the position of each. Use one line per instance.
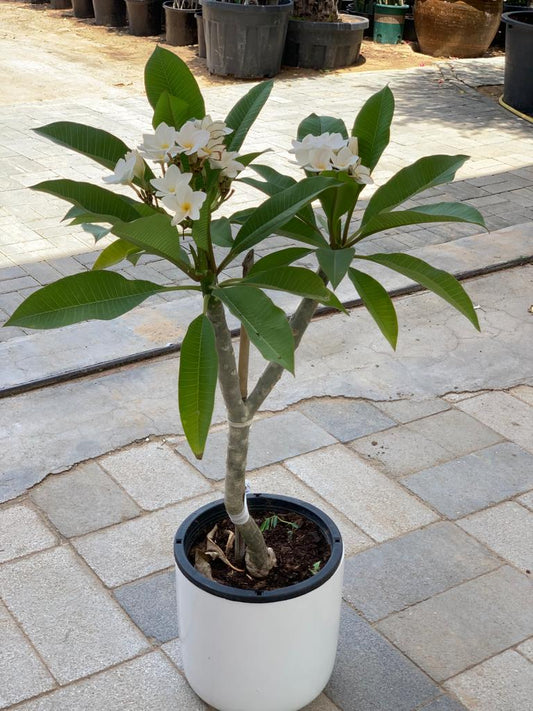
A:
(388, 23)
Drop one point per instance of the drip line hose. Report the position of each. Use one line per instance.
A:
(514, 111)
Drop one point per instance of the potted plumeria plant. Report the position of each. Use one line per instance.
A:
(259, 629)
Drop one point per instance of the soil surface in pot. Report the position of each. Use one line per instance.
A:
(300, 547)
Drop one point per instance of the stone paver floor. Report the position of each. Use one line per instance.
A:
(438, 593)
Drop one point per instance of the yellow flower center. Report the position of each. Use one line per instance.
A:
(185, 206)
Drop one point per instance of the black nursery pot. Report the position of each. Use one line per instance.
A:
(144, 17)
(517, 81)
(83, 8)
(110, 13)
(181, 26)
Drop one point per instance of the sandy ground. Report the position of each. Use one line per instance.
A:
(59, 55)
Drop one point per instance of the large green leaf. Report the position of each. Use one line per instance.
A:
(436, 212)
(80, 297)
(170, 110)
(197, 382)
(440, 282)
(335, 263)
(155, 235)
(377, 302)
(165, 71)
(294, 280)
(279, 259)
(278, 210)
(101, 146)
(200, 227)
(115, 253)
(423, 174)
(243, 114)
(92, 199)
(316, 125)
(221, 232)
(372, 127)
(265, 323)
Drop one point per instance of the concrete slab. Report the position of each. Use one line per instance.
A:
(412, 568)
(346, 419)
(68, 616)
(465, 625)
(409, 410)
(380, 507)
(23, 531)
(503, 682)
(83, 500)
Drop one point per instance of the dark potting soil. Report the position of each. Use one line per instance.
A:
(300, 547)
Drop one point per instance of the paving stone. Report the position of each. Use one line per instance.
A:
(527, 649)
(149, 683)
(506, 414)
(503, 683)
(523, 392)
(154, 475)
(401, 450)
(380, 507)
(370, 673)
(408, 410)
(277, 480)
(456, 432)
(151, 604)
(321, 703)
(22, 531)
(346, 419)
(506, 529)
(83, 500)
(526, 500)
(463, 626)
(137, 548)
(475, 481)
(271, 440)
(21, 671)
(409, 569)
(174, 651)
(443, 703)
(70, 619)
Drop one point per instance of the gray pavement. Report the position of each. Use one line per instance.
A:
(424, 458)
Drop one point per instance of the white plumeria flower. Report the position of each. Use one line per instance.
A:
(191, 139)
(216, 128)
(185, 202)
(127, 168)
(158, 146)
(361, 174)
(302, 148)
(334, 141)
(171, 181)
(319, 159)
(344, 159)
(305, 151)
(353, 145)
(228, 163)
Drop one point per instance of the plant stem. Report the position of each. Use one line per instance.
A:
(259, 558)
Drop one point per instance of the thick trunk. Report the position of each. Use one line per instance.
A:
(317, 10)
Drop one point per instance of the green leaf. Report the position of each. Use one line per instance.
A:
(165, 71)
(423, 174)
(200, 227)
(295, 280)
(197, 382)
(247, 158)
(436, 212)
(275, 212)
(265, 323)
(80, 297)
(279, 259)
(440, 282)
(101, 146)
(377, 302)
(170, 110)
(155, 235)
(243, 114)
(335, 263)
(115, 253)
(97, 232)
(91, 198)
(316, 125)
(221, 232)
(336, 203)
(372, 127)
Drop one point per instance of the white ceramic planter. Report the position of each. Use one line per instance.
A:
(258, 651)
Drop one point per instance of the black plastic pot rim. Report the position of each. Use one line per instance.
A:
(211, 513)
(342, 26)
(516, 17)
(237, 7)
(169, 6)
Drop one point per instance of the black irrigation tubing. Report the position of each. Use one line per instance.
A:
(172, 348)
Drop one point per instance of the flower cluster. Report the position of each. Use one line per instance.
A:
(330, 151)
(198, 140)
